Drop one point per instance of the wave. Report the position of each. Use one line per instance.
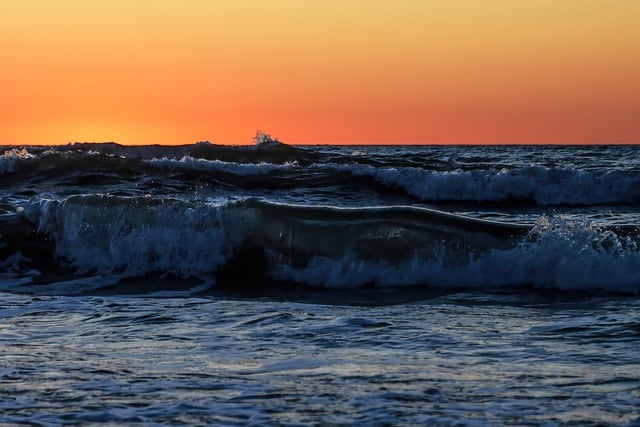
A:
(265, 151)
(534, 184)
(564, 256)
(233, 168)
(11, 156)
(86, 244)
(279, 165)
(537, 184)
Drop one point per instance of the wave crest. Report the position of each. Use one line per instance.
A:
(556, 254)
(257, 245)
(136, 236)
(538, 184)
(278, 163)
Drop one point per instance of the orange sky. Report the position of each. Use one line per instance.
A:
(326, 71)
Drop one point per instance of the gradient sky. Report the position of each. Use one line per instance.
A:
(343, 71)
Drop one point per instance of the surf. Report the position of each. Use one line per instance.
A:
(81, 244)
(412, 176)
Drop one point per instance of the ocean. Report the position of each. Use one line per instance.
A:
(319, 285)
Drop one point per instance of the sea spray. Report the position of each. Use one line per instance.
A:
(334, 248)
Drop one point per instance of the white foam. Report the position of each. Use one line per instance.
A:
(132, 237)
(119, 237)
(547, 186)
(240, 169)
(9, 158)
(559, 254)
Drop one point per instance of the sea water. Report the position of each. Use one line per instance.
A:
(280, 285)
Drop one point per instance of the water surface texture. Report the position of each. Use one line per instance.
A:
(281, 285)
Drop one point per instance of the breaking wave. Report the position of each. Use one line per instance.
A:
(276, 163)
(233, 168)
(537, 184)
(84, 244)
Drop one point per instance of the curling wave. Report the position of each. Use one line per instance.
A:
(536, 184)
(277, 165)
(82, 244)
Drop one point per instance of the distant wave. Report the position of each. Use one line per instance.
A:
(277, 163)
(534, 184)
(10, 157)
(541, 185)
(274, 152)
(82, 244)
(234, 168)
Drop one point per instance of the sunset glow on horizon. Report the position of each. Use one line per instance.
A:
(337, 72)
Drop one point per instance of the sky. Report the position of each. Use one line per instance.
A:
(329, 71)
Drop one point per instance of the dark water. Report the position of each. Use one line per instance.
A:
(278, 285)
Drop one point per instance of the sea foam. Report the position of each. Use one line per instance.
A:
(335, 248)
(558, 254)
(134, 237)
(234, 168)
(542, 185)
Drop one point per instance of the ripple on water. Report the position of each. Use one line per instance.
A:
(451, 359)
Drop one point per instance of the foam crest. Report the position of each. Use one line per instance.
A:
(10, 157)
(558, 254)
(252, 243)
(545, 186)
(234, 168)
(134, 237)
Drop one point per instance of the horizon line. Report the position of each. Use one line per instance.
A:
(330, 144)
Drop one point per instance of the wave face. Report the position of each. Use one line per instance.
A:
(93, 218)
(535, 184)
(259, 246)
(427, 175)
